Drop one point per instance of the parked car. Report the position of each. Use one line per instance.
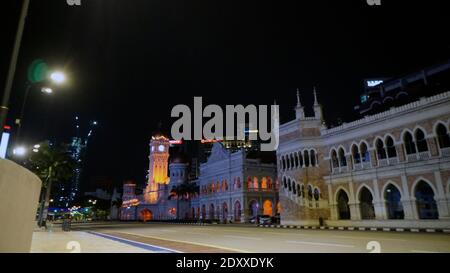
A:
(264, 219)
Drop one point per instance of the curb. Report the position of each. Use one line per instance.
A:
(192, 224)
(423, 230)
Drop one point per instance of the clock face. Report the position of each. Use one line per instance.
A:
(161, 148)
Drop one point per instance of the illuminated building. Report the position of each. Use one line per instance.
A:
(388, 169)
(158, 168)
(66, 194)
(382, 94)
(234, 186)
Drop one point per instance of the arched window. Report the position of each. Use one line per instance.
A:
(365, 155)
(366, 204)
(255, 183)
(302, 189)
(306, 158)
(296, 160)
(299, 191)
(270, 183)
(342, 159)
(381, 152)
(294, 187)
(442, 136)
(426, 205)
(284, 162)
(285, 182)
(334, 159)
(264, 183)
(316, 194)
(342, 205)
(268, 208)
(300, 157)
(422, 145)
(390, 147)
(292, 161)
(356, 155)
(310, 192)
(313, 158)
(249, 183)
(289, 185)
(408, 142)
(394, 205)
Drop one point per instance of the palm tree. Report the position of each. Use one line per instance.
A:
(183, 191)
(52, 165)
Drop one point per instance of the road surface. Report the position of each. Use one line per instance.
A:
(160, 237)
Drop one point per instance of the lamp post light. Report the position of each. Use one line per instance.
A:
(56, 77)
(20, 151)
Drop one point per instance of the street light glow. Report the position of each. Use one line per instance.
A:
(58, 77)
(46, 90)
(20, 151)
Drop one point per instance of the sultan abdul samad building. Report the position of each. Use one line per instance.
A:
(390, 168)
(233, 186)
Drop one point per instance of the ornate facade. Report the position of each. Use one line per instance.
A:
(391, 169)
(236, 186)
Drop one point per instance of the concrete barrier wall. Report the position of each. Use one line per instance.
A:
(19, 198)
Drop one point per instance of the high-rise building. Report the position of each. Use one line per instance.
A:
(66, 194)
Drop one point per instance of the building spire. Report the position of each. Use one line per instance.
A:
(298, 98)
(299, 113)
(315, 97)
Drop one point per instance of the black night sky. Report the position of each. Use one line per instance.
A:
(129, 62)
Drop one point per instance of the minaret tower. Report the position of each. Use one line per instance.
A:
(317, 107)
(158, 168)
(299, 109)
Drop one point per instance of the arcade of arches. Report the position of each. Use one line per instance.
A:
(145, 215)
(393, 205)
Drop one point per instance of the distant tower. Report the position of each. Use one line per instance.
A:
(299, 109)
(158, 168)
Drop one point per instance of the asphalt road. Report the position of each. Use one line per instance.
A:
(244, 238)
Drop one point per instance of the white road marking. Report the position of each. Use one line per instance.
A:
(242, 237)
(423, 251)
(318, 244)
(367, 238)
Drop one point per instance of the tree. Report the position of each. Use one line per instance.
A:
(52, 165)
(183, 191)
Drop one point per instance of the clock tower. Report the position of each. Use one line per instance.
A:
(158, 168)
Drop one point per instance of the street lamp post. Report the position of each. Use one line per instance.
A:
(12, 66)
(55, 77)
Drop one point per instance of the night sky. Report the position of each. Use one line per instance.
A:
(129, 62)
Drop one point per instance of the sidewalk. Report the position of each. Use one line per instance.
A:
(57, 241)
